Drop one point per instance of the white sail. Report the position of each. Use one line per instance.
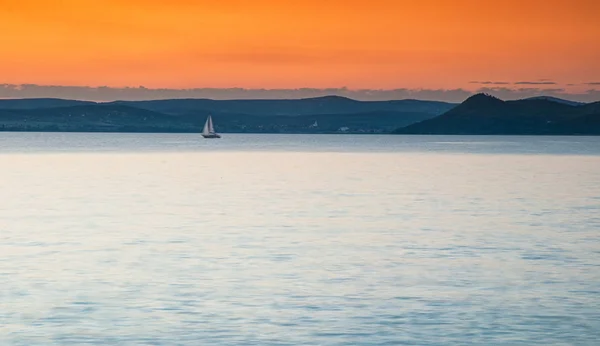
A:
(207, 126)
(211, 128)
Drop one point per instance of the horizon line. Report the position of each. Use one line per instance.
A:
(104, 94)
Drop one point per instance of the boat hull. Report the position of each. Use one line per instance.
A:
(212, 135)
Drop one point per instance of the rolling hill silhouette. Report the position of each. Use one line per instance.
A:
(35, 103)
(480, 114)
(91, 117)
(291, 107)
(188, 115)
(483, 114)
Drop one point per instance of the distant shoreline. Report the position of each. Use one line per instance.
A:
(480, 114)
(308, 133)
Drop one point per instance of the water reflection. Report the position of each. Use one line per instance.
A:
(273, 247)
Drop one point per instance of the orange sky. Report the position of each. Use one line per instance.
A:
(301, 43)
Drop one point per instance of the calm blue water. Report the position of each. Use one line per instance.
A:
(169, 239)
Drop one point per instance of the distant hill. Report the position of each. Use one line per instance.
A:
(332, 114)
(286, 107)
(40, 103)
(483, 114)
(480, 114)
(90, 118)
(368, 122)
(291, 107)
(556, 99)
(116, 117)
(591, 108)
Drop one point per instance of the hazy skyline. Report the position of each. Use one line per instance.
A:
(501, 90)
(376, 49)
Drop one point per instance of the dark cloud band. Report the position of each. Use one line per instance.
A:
(536, 83)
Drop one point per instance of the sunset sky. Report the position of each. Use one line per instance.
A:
(358, 44)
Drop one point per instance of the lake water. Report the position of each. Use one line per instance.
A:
(169, 239)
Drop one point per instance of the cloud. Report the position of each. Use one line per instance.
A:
(489, 83)
(540, 82)
(105, 93)
(593, 83)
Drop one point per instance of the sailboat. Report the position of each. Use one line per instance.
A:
(209, 130)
